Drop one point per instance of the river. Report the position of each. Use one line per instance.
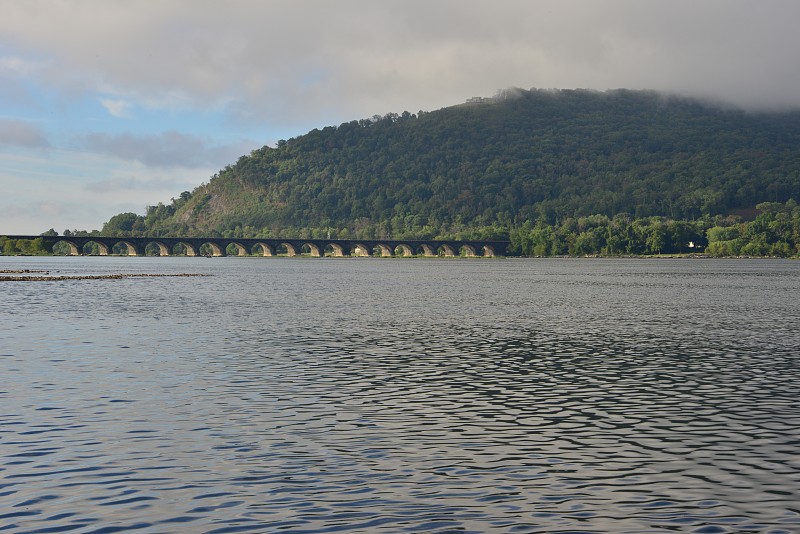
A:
(401, 395)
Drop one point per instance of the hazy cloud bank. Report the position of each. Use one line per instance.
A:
(292, 60)
(167, 149)
(139, 184)
(22, 134)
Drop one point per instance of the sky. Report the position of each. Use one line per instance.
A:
(108, 106)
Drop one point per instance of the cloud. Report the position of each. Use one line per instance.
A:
(117, 108)
(16, 65)
(133, 183)
(35, 209)
(80, 190)
(20, 133)
(167, 149)
(33, 218)
(289, 61)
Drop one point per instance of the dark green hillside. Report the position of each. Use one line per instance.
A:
(527, 155)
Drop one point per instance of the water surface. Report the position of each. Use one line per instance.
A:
(374, 395)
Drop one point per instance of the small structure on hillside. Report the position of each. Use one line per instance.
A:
(479, 100)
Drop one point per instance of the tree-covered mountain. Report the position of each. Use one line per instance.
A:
(490, 166)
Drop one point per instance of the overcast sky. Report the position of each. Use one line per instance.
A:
(111, 105)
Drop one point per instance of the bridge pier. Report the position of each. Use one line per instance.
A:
(316, 251)
(267, 250)
(133, 250)
(163, 250)
(240, 250)
(361, 250)
(73, 248)
(337, 250)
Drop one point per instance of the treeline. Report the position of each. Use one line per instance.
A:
(774, 232)
(537, 155)
(36, 247)
(22, 247)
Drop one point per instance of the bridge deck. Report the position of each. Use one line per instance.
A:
(218, 246)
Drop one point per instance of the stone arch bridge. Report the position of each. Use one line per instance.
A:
(216, 246)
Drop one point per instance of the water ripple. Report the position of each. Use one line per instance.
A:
(419, 396)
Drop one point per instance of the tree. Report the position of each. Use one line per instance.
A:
(589, 242)
(656, 238)
(123, 224)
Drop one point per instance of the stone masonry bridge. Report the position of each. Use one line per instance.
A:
(217, 246)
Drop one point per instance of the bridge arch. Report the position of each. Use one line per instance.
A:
(384, 250)
(467, 251)
(447, 250)
(427, 250)
(266, 250)
(188, 248)
(287, 248)
(90, 247)
(335, 249)
(74, 250)
(312, 248)
(362, 250)
(404, 250)
(125, 247)
(193, 246)
(102, 248)
(162, 248)
(211, 248)
(235, 249)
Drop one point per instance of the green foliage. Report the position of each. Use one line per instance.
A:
(774, 232)
(535, 155)
(597, 234)
(125, 224)
(24, 247)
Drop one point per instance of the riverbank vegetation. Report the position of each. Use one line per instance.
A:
(22, 247)
(774, 232)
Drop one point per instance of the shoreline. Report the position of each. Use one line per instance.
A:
(45, 277)
(679, 255)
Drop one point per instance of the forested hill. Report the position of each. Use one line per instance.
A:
(523, 155)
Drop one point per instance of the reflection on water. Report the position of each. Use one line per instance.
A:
(322, 395)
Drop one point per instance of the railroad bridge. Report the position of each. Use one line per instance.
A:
(217, 246)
